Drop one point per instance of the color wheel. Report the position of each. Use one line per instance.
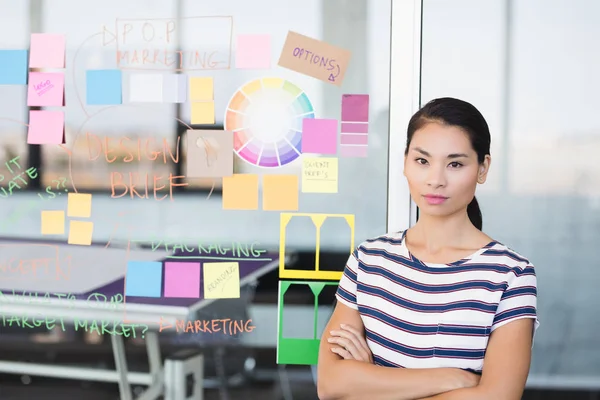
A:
(266, 116)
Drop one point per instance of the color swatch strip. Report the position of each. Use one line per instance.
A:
(354, 133)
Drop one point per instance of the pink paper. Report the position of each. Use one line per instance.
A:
(253, 52)
(355, 108)
(354, 151)
(346, 138)
(182, 279)
(46, 127)
(358, 127)
(46, 89)
(319, 136)
(47, 51)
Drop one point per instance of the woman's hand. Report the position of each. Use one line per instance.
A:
(352, 344)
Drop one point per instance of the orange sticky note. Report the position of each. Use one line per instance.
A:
(240, 192)
(203, 113)
(46, 127)
(79, 205)
(280, 193)
(53, 222)
(202, 88)
(47, 51)
(80, 232)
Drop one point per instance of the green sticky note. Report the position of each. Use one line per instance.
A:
(294, 350)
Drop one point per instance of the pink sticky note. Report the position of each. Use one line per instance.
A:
(355, 108)
(47, 51)
(319, 136)
(46, 89)
(182, 279)
(253, 52)
(46, 127)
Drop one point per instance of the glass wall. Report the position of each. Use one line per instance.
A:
(94, 33)
(530, 69)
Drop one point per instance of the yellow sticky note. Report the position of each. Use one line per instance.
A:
(201, 88)
(79, 205)
(240, 192)
(203, 113)
(221, 280)
(53, 222)
(320, 175)
(280, 192)
(80, 232)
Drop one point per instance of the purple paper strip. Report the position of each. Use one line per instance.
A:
(359, 127)
(354, 139)
(355, 108)
(353, 151)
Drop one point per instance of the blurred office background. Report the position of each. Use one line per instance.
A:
(530, 66)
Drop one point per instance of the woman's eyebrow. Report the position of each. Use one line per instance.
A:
(453, 155)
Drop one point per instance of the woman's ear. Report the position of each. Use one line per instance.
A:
(484, 168)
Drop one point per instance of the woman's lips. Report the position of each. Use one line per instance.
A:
(435, 199)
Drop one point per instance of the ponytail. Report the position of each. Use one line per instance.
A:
(474, 213)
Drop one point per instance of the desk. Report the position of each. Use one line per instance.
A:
(96, 269)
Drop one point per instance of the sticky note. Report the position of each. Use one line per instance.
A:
(182, 279)
(80, 232)
(314, 58)
(203, 113)
(209, 153)
(46, 127)
(240, 192)
(355, 108)
(319, 136)
(47, 50)
(294, 350)
(320, 175)
(53, 222)
(103, 87)
(221, 280)
(253, 52)
(174, 88)
(13, 67)
(317, 219)
(143, 278)
(280, 192)
(146, 88)
(79, 205)
(202, 88)
(46, 89)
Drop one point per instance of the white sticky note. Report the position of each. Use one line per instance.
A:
(146, 88)
(175, 88)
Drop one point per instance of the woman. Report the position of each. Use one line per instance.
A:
(441, 310)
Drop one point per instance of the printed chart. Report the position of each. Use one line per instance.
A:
(266, 116)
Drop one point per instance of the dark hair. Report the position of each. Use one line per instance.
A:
(459, 113)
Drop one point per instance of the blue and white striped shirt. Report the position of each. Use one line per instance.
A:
(425, 315)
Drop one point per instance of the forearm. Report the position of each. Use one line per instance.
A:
(350, 379)
(474, 393)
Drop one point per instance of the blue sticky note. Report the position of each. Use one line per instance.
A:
(104, 87)
(143, 279)
(13, 67)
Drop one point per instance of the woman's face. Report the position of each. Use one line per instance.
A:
(442, 169)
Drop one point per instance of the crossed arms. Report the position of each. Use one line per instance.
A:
(346, 371)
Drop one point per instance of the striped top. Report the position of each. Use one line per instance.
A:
(425, 315)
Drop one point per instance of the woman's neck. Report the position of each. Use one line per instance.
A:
(435, 234)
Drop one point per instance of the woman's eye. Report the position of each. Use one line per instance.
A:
(421, 161)
(455, 164)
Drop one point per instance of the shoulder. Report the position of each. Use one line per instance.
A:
(515, 263)
(387, 243)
